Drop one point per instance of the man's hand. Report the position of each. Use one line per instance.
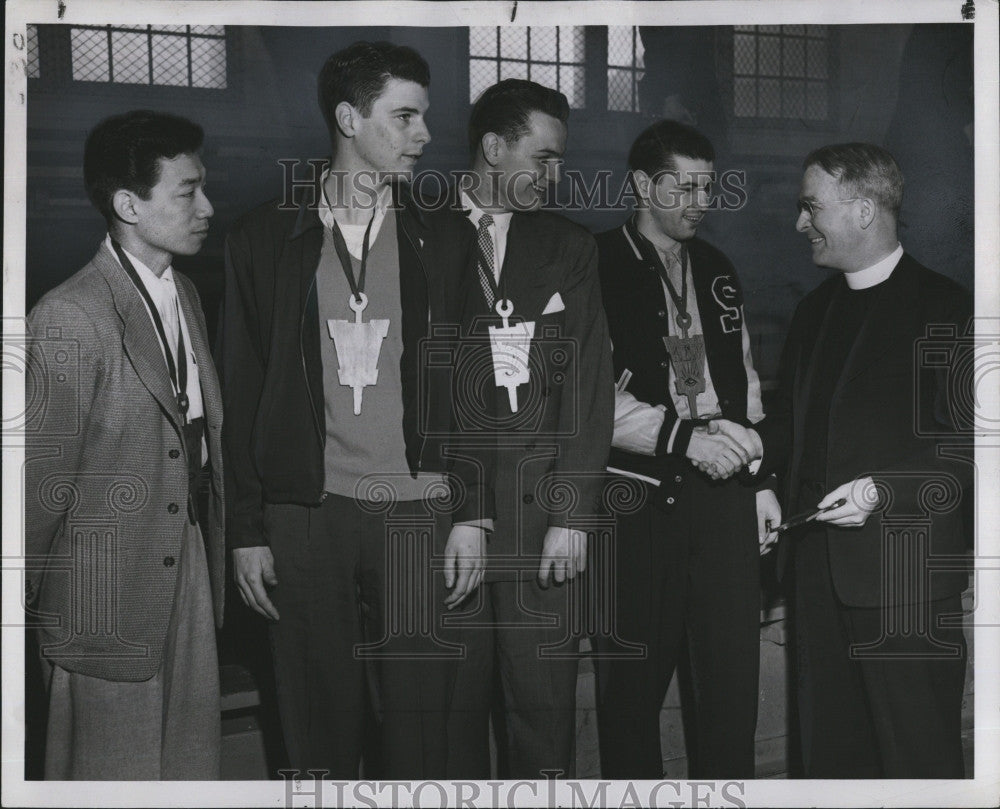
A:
(466, 554)
(861, 496)
(746, 437)
(715, 453)
(768, 510)
(253, 568)
(564, 554)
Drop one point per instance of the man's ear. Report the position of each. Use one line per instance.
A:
(492, 146)
(123, 204)
(642, 184)
(867, 213)
(346, 116)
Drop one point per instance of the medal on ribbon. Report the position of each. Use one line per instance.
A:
(510, 346)
(687, 356)
(358, 347)
(358, 344)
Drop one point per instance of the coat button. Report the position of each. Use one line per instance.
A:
(168, 561)
(670, 501)
(662, 313)
(174, 453)
(529, 499)
(172, 508)
(678, 479)
(664, 364)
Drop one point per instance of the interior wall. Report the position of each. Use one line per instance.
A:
(906, 87)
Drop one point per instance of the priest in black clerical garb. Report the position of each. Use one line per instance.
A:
(879, 675)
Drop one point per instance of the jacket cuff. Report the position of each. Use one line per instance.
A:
(477, 506)
(249, 534)
(675, 440)
(770, 482)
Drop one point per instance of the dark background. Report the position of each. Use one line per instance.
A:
(906, 87)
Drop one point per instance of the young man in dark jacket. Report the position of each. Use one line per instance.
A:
(542, 440)
(335, 474)
(686, 562)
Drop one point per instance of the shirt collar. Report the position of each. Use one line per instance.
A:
(326, 209)
(644, 249)
(162, 285)
(502, 220)
(876, 273)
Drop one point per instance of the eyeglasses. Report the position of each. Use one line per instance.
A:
(810, 208)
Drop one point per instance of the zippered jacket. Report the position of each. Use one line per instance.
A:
(269, 356)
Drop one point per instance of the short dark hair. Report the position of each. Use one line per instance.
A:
(864, 170)
(124, 151)
(358, 75)
(658, 145)
(505, 108)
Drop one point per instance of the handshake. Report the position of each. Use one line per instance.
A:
(722, 448)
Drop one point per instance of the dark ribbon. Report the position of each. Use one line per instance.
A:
(682, 317)
(178, 372)
(357, 286)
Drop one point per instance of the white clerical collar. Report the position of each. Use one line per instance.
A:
(153, 283)
(354, 235)
(502, 219)
(875, 274)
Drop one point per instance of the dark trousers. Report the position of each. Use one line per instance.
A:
(359, 633)
(522, 629)
(891, 710)
(690, 577)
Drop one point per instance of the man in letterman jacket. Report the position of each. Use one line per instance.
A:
(334, 484)
(687, 560)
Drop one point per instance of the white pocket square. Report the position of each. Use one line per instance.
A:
(555, 304)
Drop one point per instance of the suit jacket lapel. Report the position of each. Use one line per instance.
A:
(520, 277)
(139, 339)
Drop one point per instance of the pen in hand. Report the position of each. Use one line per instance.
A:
(804, 517)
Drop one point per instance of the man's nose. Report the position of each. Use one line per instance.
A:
(423, 134)
(205, 209)
(803, 222)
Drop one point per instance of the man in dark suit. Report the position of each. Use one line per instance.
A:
(130, 413)
(336, 475)
(542, 440)
(859, 422)
(686, 562)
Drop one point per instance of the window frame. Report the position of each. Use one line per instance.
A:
(585, 65)
(55, 58)
(725, 60)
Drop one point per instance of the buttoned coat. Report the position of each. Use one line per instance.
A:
(896, 416)
(543, 465)
(106, 474)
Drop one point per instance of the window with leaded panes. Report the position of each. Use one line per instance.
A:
(553, 56)
(781, 71)
(171, 55)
